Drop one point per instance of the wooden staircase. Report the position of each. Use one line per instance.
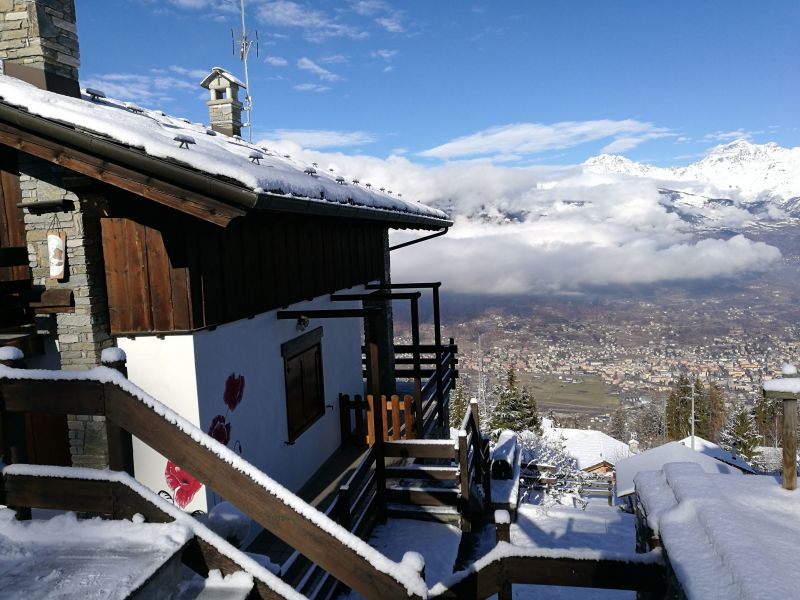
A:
(131, 412)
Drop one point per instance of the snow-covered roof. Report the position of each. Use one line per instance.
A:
(711, 449)
(193, 145)
(589, 447)
(220, 72)
(726, 537)
(655, 459)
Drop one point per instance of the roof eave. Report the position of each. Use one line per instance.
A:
(203, 183)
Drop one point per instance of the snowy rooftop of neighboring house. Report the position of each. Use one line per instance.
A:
(714, 451)
(726, 537)
(255, 168)
(588, 447)
(655, 459)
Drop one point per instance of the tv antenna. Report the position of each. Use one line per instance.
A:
(245, 45)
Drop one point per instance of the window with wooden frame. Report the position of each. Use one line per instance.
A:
(305, 392)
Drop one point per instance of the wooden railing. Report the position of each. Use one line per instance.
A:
(507, 565)
(473, 459)
(356, 504)
(432, 381)
(397, 416)
(130, 412)
(119, 496)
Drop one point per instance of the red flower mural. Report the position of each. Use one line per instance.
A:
(220, 430)
(234, 389)
(182, 484)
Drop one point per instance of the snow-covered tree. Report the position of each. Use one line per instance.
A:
(513, 409)
(617, 427)
(458, 407)
(740, 435)
(546, 454)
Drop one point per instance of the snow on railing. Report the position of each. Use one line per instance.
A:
(248, 564)
(401, 573)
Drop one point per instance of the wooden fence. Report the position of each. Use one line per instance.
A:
(398, 418)
(507, 565)
(438, 367)
(119, 497)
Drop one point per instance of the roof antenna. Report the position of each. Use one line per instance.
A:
(245, 45)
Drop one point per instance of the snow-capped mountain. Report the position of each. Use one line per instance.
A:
(740, 171)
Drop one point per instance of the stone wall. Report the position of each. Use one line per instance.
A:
(82, 334)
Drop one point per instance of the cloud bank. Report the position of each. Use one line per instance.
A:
(546, 229)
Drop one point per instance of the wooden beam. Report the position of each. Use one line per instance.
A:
(790, 444)
(420, 449)
(57, 493)
(54, 397)
(191, 203)
(242, 490)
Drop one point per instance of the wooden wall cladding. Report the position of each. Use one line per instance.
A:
(166, 272)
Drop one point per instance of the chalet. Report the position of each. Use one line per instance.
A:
(593, 451)
(239, 283)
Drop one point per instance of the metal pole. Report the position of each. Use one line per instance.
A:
(693, 416)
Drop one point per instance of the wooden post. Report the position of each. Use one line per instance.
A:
(343, 507)
(13, 440)
(437, 340)
(790, 444)
(378, 445)
(473, 408)
(417, 375)
(120, 442)
(395, 417)
(463, 471)
(610, 492)
(502, 533)
(359, 416)
(370, 420)
(408, 412)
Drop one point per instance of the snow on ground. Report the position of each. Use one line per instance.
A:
(726, 537)
(91, 559)
(436, 542)
(602, 528)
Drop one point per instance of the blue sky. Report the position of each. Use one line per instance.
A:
(514, 83)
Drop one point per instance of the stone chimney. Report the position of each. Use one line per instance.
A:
(224, 108)
(39, 43)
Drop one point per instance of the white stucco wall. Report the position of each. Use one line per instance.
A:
(252, 348)
(188, 373)
(165, 369)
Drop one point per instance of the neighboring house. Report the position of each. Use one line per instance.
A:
(594, 451)
(209, 260)
(655, 459)
(714, 451)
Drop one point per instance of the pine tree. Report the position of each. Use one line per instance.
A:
(506, 411)
(679, 409)
(701, 417)
(617, 426)
(715, 405)
(529, 418)
(458, 407)
(740, 435)
(768, 414)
